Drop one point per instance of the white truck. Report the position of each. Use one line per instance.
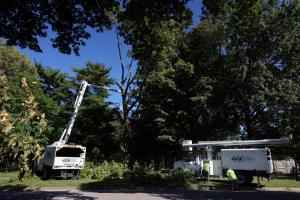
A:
(247, 162)
(62, 159)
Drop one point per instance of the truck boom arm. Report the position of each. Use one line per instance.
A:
(67, 132)
(281, 141)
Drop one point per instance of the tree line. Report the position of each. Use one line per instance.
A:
(235, 75)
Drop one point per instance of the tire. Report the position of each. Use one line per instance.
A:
(249, 179)
(241, 179)
(244, 179)
(76, 174)
(46, 173)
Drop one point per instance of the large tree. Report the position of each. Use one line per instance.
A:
(95, 127)
(23, 127)
(22, 23)
(259, 62)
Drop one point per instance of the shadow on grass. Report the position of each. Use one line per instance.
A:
(17, 187)
(110, 183)
(223, 184)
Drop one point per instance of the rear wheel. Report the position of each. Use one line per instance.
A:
(244, 179)
(46, 172)
(76, 174)
(249, 179)
(241, 179)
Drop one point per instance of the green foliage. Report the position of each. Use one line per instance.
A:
(96, 116)
(106, 170)
(21, 139)
(71, 20)
(236, 73)
(114, 172)
(23, 124)
(178, 176)
(256, 69)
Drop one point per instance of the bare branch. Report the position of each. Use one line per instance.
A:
(120, 57)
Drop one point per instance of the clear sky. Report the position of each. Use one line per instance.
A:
(100, 48)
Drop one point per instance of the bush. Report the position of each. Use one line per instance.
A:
(179, 176)
(143, 174)
(138, 175)
(112, 170)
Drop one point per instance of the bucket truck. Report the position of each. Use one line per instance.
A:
(62, 159)
(246, 162)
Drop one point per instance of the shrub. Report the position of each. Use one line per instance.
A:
(179, 176)
(138, 175)
(111, 170)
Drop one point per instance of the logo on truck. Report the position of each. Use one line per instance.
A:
(242, 158)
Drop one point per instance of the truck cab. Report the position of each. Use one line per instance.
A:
(190, 162)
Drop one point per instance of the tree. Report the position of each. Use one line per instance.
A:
(147, 31)
(256, 68)
(134, 82)
(236, 77)
(58, 98)
(210, 118)
(23, 125)
(23, 22)
(95, 124)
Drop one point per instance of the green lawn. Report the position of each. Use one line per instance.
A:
(215, 183)
(281, 183)
(9, 180)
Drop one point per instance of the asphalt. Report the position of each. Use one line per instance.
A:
(64, 193)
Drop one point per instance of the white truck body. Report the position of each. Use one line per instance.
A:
(247, 159)
(65, 156)
(246, 163)
(238, 159)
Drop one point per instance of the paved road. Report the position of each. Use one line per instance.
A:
(146, 194)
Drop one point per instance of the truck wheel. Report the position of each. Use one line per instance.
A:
(244, 179)
(241, 179)
(76, 174)
(249, 179)
(46, 173)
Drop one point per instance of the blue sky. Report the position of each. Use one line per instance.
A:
(100, 48)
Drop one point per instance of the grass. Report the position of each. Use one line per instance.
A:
(281, 183)
(9, 180)
(217, 183)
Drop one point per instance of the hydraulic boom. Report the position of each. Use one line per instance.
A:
(67, 132)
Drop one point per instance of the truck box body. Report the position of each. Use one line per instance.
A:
(258, 160)
(65, 156)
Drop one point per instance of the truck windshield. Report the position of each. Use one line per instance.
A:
(190, 158)
(69, 152)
